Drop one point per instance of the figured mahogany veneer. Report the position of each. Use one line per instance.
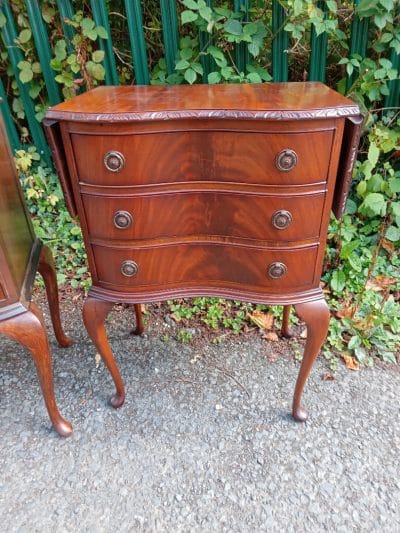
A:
(205, 155)
(21, 255)
(206, 190)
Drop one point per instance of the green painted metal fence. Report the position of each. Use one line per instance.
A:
(133, 14)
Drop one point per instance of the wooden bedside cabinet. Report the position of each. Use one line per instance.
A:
(21, 255)
(221, 190)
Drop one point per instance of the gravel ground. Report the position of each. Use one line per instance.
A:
(203, 443)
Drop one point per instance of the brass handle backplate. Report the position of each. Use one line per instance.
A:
(114, 161)
(129, 268)
(277, 270)
(122, 219)
(282, 219)
(286, 160)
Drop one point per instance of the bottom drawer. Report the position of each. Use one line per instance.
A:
(205, 264)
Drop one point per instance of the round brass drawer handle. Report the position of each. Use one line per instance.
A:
(129, 268)
(114, 161)
(282, 219)
(277, 270)
(286, 160)
(122, 219)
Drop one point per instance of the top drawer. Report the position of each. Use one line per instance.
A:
(242, 157)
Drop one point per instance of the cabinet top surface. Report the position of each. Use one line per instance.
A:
(272, 101)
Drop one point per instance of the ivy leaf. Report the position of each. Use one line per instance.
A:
(56, 64)
(34, 90)
(214, 77)
(338, 280)
(188, 16)
(87, 24)
(96, 70)
(394, 184)
(197, 68)
(26, 75)
(387, 4)
(206, 13)
(373, 154)
(60, 49)
(215, 52)
(393, 234)
(253, 48)
(3, 20)
(182, 64)
(332, 5)
(367, 8)
(98, 56)
(380, 20)
(297, 7)
(186, 53)
(374, 204)
(388, 357)
(250, 28)
(233, 27)
(48, 14)
(24, 36)
(190, 76)
(92, 34)
(355, 262)
(253, 77)
(191, 4)
(101, 32)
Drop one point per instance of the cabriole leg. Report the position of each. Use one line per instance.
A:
(285, 331)
(47, 269)
(316, 316)
(139, 320)
(28, 329)
(95, 312)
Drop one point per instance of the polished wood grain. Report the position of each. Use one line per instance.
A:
(188, 156)
(184, 214)
(207, 264)
(28, 329)
(274, 101)
(21, 255)
(178, 189)
(47, 269)
(94, 315)
(316, 316)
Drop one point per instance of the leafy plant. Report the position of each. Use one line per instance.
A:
(84, 59)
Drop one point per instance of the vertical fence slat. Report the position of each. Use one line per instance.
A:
(100, 16)
(138, 45)
(12, 133)
(41, 40)
(242, 56)
(169, 18)
(204, 40)
(393, 98)
(66, 12)
(280, 43)
(358, 41)
(9, 34)
(319, 49)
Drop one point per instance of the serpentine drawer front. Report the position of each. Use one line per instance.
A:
(221, 190)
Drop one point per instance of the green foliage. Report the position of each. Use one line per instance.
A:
(223, 29)
(81, 67)
(51, 221)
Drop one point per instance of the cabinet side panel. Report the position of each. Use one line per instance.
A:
(16, 235)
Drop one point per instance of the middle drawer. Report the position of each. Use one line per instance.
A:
(184, 214)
